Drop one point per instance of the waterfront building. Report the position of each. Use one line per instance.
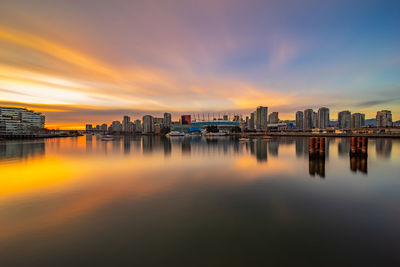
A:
(157, 128)
(273, 118)
(125, 123)
(323, 118)
(357, 120)
(167, 119)
(314, 119)
(344, 119)
(250, 124)
(103, 127)
(20, 120)
(384, 118)
(89, 127)
(185, 119)
(138, 126)
(225, 117)
(308, 119)
(159, 121)
(261, 118)
(116, 126)
(221, 125)
(299, 119)
(147, 124)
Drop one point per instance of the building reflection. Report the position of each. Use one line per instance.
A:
(21, 150)
(317, 148)
(260, 150)
(358, 154)
(316, 166)
(147, 144)
(89, 143)
(186, 146)
(127, 145)
(301, 147)
(343, 147)
(273, 148)
(383, 147)
(167, 146)
(359, 163)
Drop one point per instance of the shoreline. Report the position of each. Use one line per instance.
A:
(336, 135)
(35, 136)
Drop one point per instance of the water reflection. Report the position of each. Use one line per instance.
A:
(118, 202)
(21, 149)
(359, 163)
(343, 146)
(316, 166)
(383, 147)
(301, 147)
(260, 149)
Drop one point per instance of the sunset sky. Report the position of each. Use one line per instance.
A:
(95, 61)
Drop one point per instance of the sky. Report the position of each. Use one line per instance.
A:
(93, 61)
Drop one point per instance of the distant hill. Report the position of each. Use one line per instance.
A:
(370, 121)
(396, 123)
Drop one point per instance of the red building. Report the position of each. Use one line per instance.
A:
(185, 119)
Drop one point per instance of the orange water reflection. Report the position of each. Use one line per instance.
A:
(77, 177)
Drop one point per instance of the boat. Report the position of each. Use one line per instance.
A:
(244, 139)
(107, 138)
(175, 133)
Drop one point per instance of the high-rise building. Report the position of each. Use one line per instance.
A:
(308, 119)
(89, 127)
(225, 117)
(357, 120)
(138, 126)
(261, 118)
(314, 119)
(125, 124)
(299, 119)
(185, 119)
(147, 124)
(167, 119)
(250, 124)
(344, 119)
(384, 118)
(273, 117)
(323, 118)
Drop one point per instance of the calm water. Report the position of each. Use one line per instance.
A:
(143, 201)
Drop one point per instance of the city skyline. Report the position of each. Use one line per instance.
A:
(198, 57)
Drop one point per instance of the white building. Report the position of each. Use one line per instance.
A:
(261, 118)
(344, 119)
(357, 120)
(20, 120)
(323, 118)
(384, 118)
(147, 124)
